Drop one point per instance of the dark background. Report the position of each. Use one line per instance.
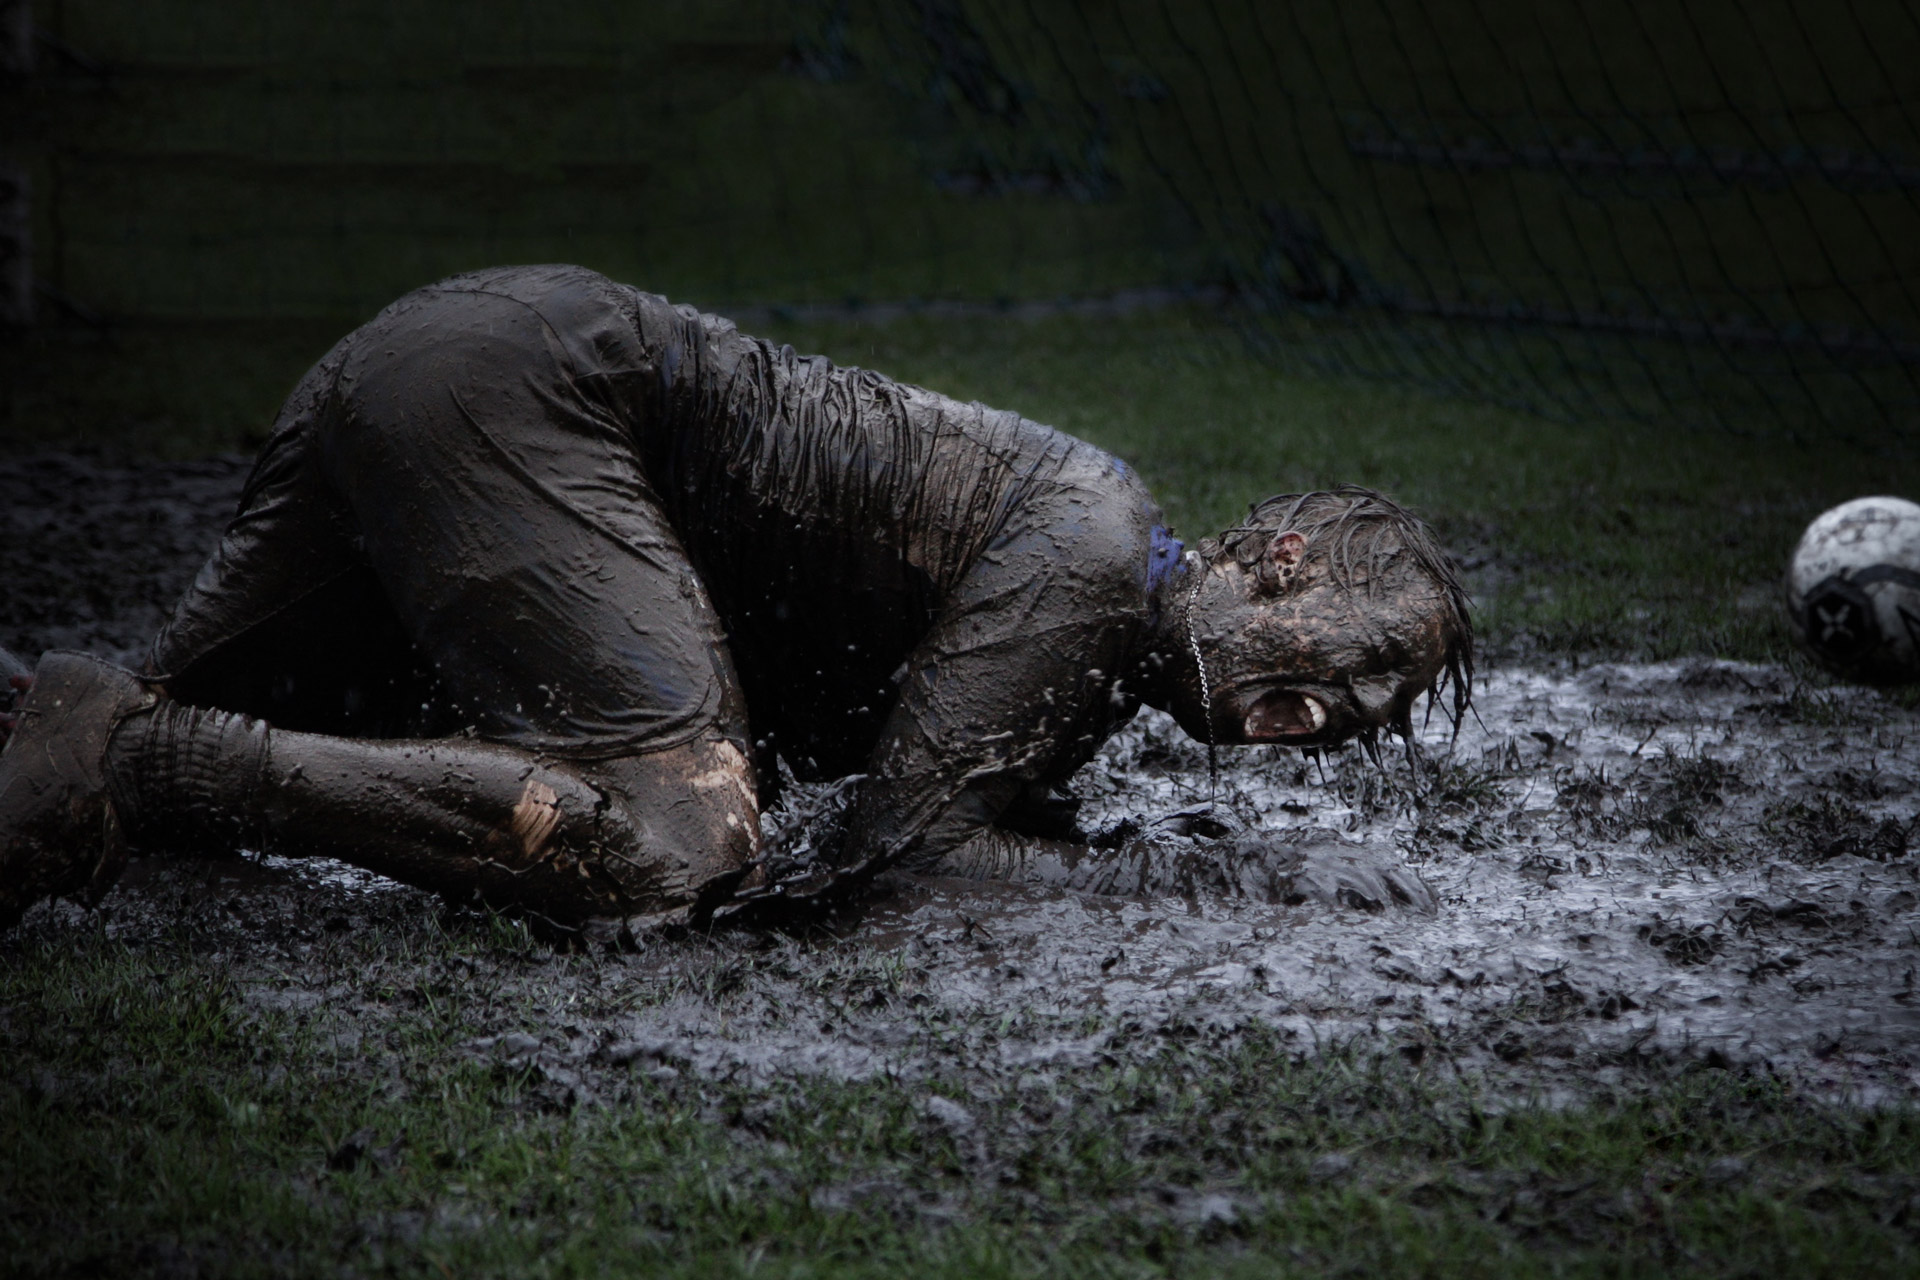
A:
(1701, 212)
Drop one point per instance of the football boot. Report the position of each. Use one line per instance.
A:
(58, 831)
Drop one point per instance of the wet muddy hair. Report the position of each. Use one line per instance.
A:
(1364, 538)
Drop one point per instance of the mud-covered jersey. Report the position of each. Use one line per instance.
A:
(942, 596)
(558, 513)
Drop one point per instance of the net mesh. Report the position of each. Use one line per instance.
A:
(1589, 208)
(1701, 212)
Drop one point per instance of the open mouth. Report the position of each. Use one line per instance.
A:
(1286, 713)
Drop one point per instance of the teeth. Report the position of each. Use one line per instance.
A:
(1286, 713)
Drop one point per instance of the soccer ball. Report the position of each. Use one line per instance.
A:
(1854, 590)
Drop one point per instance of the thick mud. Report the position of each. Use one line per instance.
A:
(1634, 870)
(94, 554)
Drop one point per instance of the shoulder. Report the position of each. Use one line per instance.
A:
(1101, 517)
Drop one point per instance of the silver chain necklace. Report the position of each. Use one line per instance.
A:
(1200, 663)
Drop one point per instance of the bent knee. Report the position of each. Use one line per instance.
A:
(690, 818)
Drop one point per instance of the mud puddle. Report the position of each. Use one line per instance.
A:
(1696, 861)
(1637, 869)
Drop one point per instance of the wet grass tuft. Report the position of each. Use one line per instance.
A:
(1829, 827)
(1673, 796)
(160, 1118)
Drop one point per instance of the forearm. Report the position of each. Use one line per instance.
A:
(1139, 867)
(1318, 868)
(998, 854)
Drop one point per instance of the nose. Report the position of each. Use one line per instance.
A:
(1375, 699)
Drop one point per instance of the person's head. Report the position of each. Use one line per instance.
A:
(1320, 620)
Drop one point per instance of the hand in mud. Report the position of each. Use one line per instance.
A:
(1323, 869)
(1203, 822)
(799, 870)
(762, 899)
(1211, 851)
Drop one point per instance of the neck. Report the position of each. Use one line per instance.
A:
(1166, 656)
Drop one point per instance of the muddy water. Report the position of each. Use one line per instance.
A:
(1667, 863)
(1607, 905)
(1635, 868)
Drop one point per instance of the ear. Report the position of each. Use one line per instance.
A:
(1284, 554)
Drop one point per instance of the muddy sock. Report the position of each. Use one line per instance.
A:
(189, 778)
(469, 819)
(199, 780)
(464, 818)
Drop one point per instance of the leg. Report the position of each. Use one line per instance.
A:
(445, 455)
(632, 835)
(101, 761)
(519, 549)
(285, 620)
(509, 522)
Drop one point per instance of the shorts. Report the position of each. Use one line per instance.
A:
(451, 531)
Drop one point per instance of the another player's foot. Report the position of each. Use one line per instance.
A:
(58, 832)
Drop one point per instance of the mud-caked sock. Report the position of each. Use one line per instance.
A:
(189, 779)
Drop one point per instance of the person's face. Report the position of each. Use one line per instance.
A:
(1312, 663)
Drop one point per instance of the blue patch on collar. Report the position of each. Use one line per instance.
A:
(1164, 552)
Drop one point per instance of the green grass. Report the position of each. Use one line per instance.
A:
(155, 1122)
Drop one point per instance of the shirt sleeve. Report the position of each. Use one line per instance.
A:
(1019, 660)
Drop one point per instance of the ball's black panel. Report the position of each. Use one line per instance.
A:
(1884, 573)
(1838, 621)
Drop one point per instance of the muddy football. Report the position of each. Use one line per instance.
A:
(1854, 590)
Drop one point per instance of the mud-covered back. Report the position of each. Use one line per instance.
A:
(831, 511)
